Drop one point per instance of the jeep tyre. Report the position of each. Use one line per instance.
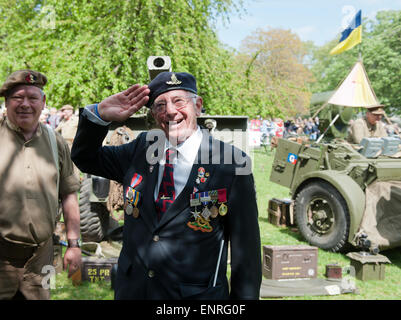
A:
(322, 216)
(94, 216)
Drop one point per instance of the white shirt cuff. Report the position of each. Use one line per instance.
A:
(88, 112)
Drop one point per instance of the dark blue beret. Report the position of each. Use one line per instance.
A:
(167, 81)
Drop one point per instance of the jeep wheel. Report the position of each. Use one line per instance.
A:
(322, 216)
(94, 216)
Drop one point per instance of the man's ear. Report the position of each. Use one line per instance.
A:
(198, 105)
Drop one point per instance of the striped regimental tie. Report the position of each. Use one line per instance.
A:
(166, 194)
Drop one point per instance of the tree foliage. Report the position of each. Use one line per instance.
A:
(91, 49)
(273, 64)
(380, 52)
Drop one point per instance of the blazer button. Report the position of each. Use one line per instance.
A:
(156, 238)
(151, 273)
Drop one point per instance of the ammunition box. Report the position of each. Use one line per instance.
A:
(289, 262)
(371, 147)
(334, 271)
(95, 269)
(368, 266)
(281, 212)
(390, 145)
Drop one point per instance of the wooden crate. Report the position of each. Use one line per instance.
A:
(281, 212)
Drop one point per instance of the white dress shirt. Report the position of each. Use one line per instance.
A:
(186, 154)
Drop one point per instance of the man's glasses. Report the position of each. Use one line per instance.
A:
(178, 102)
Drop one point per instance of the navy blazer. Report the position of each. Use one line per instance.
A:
(167, 259)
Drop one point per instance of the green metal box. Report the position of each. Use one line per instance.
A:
(368, 266)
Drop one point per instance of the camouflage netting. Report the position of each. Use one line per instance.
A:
(115, 200)
(382, 218)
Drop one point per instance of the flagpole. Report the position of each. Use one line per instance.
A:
(360, 44)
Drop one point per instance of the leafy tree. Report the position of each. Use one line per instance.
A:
(273, 64)
(91, 49)
(382, 58)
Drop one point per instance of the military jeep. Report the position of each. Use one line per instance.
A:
(343, 194)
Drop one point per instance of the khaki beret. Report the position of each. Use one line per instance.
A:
(25, 77)
(67, 107)
(377, 109)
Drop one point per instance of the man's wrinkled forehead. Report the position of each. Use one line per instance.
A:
(172, 94)
(22, 88)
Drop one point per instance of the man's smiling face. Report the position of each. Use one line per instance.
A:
(175, 112)
(24, 105)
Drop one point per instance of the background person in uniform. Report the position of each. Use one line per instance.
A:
(180, 216)
(28, 191)
(68, 125)
(369, 126)
(53, 119)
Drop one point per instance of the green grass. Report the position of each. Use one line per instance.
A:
(389, 289)
(85, 291)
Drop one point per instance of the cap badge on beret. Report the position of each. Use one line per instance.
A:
(174, 80)
(30, 78)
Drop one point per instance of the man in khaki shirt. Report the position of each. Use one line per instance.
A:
(68, 125)
(369, 126)
(28, 192)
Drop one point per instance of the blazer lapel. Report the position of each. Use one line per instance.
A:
(148, 203)
(183, 199)
(149, 214)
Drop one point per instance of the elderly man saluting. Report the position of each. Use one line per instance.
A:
(186, 196)
(35, 171)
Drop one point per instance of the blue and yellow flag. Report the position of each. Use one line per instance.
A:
(351, 36)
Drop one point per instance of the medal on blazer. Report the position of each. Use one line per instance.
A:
(135, 210)
(205, 199)
(129, 209)
(130, 194)
(222, 199)
(201, 219)
(131, 203)
(135, 180)
(194, 200)
(133, 196)
(202, 175)
(200, 223)
(213, 209)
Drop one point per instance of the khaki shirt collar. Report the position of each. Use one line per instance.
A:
(17, 129)
(371, 127)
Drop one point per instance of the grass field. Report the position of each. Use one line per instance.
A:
(388, 289)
